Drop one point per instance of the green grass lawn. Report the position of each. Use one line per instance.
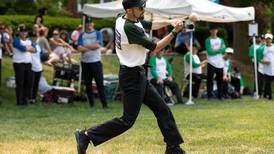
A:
(238, 126)
(227, 127)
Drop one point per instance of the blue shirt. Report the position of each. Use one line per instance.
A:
(89, 38)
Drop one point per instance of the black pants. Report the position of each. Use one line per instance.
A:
(211, 70)
(196, 81)
(236, 83)
(268, 86)
(136, 89)
(225, 88)
(23, 82)
(170, 84)
(90, 71)
(35, 83)
(261, 83)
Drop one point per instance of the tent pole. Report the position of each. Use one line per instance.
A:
(256, 96)
(80, 68)
(190, 102)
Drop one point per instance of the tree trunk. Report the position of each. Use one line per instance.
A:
(72, 7)
(240, 41)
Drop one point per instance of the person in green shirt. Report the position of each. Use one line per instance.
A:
(215, 48)
(227, 70)
(197, 75)
(161, 72)
(237, 81)
(259, 46)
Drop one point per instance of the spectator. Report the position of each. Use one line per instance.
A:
(161, 72)
(108, 44)
(39, 19)
(268, 61)
(182, 42)
(65, 37)
(197, 75)
(36, 69)
(75, 35)
(89, 44)
(1, 51)
(259, 47)
(61, 49)
(215, 48)
(227, 70)
(42, 41)
(23, 48)
(5, 39)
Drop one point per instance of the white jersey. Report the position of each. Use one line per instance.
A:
(20, 56)
(196, 64)
(269, 56)
(36, 59)
(131, 42)
(216, 60)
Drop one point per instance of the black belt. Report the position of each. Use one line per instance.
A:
(136, 67)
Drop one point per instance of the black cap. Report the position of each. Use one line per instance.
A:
(133, 3)
(22, 28)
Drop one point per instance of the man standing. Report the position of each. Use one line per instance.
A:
(259, 47)
(23, 47)
(268, 61)
(89, 44)
(131, 46)
(215, 47)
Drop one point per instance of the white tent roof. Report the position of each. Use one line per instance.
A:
(161, 7)
(212, 12)
(164, 11)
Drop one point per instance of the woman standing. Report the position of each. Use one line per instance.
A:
(22, 65)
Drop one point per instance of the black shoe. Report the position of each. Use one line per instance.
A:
(82, 141)
(174, 150)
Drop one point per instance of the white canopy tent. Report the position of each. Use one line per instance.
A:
(164, 12)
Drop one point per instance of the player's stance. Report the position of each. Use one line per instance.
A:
(132, 45)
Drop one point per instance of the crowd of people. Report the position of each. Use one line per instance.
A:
(264, 60)
(29, 49)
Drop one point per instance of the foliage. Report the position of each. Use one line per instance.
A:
(66, 23)
(263, 11)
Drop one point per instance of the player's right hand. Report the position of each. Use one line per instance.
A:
(178, 25)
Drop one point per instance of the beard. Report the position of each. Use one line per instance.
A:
(142, 17)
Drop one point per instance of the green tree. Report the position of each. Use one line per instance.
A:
(25, 6)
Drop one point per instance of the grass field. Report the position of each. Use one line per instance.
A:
(236, 127)
(227, 127)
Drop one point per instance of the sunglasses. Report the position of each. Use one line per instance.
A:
(55, 33)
